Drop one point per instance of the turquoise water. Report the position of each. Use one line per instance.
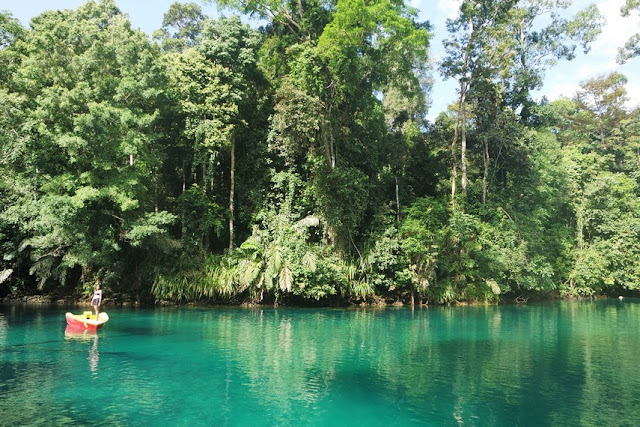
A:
(566, 363)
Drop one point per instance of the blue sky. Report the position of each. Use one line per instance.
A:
(563, 79)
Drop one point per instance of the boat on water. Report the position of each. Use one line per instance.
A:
(86, 320)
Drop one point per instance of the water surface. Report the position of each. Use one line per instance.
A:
(566, 363)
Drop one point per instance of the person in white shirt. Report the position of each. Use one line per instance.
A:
(96, 299)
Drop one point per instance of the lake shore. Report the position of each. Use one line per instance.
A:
(510, 299)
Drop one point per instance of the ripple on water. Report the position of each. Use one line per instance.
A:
(499, 366)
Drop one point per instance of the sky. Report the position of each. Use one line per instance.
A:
(565, 77)
(562, 80)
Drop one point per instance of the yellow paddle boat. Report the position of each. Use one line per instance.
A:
(86, 320)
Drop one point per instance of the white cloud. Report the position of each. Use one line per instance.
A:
(633, 88)
(561, 90)
(567, 85)
(565, 78)
(437, 11)
(617, 30)
(590, 67)
(448, 8)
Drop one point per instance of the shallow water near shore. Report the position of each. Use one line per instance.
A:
(561, 363)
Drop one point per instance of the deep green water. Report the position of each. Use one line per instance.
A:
(567, 363)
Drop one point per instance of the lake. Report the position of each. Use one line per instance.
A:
(559, 363)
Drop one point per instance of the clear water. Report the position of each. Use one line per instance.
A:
(568, 363)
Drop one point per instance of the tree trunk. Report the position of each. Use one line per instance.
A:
(463, 138)
(204, 177)
(397, 202)
(333, 151)
(232, 176)
(486, 170)
(464, 83)
(212, 174)
(155, 191)
(330, 156)
(580, 225)
(461, 124)
(601, 130)
(184, 177)
(205, 237)
(328, 141)
(327, 148)
(454, 166)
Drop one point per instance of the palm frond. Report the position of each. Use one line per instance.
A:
(5, 274)
(310, 261)
(308, 221)
(285, 279)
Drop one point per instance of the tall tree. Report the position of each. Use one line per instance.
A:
(367, 47)
(363, 48)
(181, 26)
(604, 96)
(209, 107)
(470, 50)
(90, 89)
(233, 45)
(539, 36)
(503, 42)
(297, 17)
(10, 29)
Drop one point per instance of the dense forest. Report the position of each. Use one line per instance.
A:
(212, 161)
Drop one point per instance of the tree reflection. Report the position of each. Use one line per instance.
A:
(495, 364)
(566, 362)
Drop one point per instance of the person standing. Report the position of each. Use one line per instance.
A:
(96, 300)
